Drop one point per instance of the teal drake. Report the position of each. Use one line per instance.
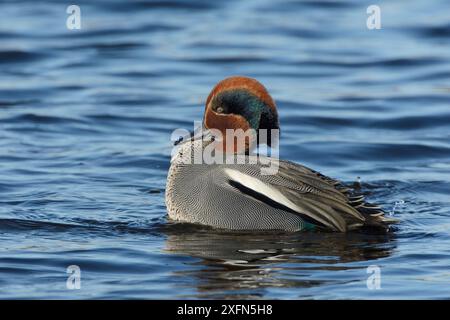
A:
(238, 195)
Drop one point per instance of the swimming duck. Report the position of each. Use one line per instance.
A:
(238, 195)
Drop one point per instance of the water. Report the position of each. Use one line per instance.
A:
(86, 116)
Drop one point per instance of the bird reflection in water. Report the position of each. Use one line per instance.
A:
(231, 262)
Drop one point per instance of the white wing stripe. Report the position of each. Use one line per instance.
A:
(272, 193)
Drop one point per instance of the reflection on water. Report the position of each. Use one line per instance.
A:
(231, 262)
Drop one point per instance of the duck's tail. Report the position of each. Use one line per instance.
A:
(375, 217)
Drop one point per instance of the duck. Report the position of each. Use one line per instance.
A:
(238, 195)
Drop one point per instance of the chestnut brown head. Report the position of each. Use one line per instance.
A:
(240, 103)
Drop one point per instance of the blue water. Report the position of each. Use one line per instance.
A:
(86, 117)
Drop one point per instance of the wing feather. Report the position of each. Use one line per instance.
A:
(309, 193)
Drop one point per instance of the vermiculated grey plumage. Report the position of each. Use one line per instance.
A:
(205, 194)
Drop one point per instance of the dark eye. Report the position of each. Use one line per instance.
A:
(219, 110)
